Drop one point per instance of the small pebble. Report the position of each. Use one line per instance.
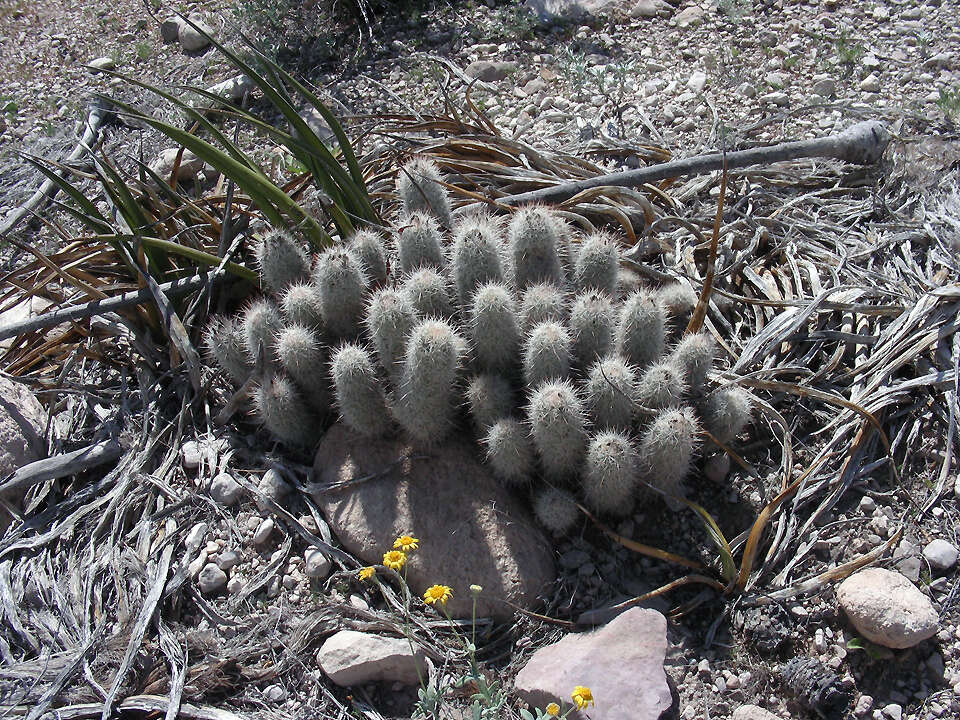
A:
(228, 560)
(211, 579)
(263, 532)
(940, 554)
(196, 536)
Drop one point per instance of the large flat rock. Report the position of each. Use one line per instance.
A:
(621, 663)
(471, 529)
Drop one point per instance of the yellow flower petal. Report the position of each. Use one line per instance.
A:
(366, 573)
(394, 559)
(406, 544)
(582, 697)
(438, 594)
(553, 709)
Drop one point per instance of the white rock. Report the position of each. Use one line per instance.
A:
(649, 8)
(355, 658)
(940, 554)
(747, 90)
(697, 81)
(689, 16)
(274, 486)
(892, 711)
(103, 63)
(190, 39)
(776, 98)
(198, 564)
(211, 578)
(22, 422)
(315, 563)
(863, 706)
(887, 609)
(225, 490)
(263, 532)
(868, 504)
(234, 586)
(753, 712)
(190, 451)
(871, 83)
(274, 693)
(196, 537)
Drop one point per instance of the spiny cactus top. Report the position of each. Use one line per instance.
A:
(564, 368)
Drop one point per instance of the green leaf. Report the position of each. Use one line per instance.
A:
(727, 563)
(526, 714)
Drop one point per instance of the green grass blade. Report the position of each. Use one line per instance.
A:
(88, 213)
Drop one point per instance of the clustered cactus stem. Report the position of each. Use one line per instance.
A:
(575, 378)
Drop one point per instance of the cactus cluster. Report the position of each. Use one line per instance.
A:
(575, 379)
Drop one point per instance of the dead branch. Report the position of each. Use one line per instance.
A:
(60, 466)
(861, 144)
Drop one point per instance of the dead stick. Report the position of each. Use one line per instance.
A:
(60, 466)
(102, 307)
(861, 144)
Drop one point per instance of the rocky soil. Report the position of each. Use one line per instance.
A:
(690, 77)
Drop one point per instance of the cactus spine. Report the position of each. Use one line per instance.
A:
(474, 255)
(667, 448)
(424, 401)
(225, 341)
(541, 303)
(343, 289)
(547, 353)
(426, 290)
(628, 282)
(556, 510)
(610, 473)
(679, 301)
(597, 265)
(420, 190)
(640, 333)
(359, 395)
(419, 243)
(390, 318)
(282, 261)
(534, 239)
(301, 306)
(509, 451)
(302, 358)
(610, 394)
(661, 386)
(591, 324)
(693, 357)
(557, 425)
(493, 327)
(489, 398)
(367, 247)
(726, 413)
(282, 410)
(261, 326)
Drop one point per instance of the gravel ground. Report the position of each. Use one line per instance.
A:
(688, 77)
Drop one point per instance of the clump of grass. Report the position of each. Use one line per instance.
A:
(949, 103)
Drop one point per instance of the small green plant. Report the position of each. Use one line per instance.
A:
(847, 50)
(144, 50)
(949, 103)
(735, 10)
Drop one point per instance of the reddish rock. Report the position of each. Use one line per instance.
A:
(471, 529)
(621, 663)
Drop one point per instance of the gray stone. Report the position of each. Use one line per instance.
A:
(228, 560)
(827, 87)
(103, 63)
(190, 39)
(863, 706)
(747, 90)
(234, 586)
(274, 486)
(263, 532)
(780, 99)
(274, 693)
(22, 422)
(315, 563)
(650, 8)
(621, 663)
(189, 166)
(892, 711)
(225, 490)
(199, 562)
(871, 83)
(232, 89)
(753, 712)
(170, 29)
(355, 658)
(940, 554)
(489, 70)
(553, 9)
(196, 537)
(887, 609)
(689, 16)
(211, 579)
(471, 529)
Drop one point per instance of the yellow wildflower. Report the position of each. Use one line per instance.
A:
(394, 559)
(438, 594)
(582, 697)
(553, 709)
(406, 544)
(366, 573)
